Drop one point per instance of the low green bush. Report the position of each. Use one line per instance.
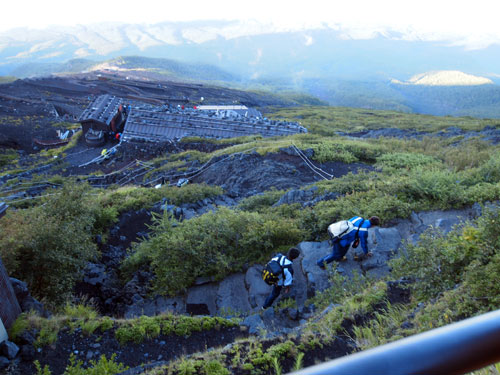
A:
(8, 157)
(439, 262)
(56, 236)
(260, 201)
(134, 198)
(399, 162)
(214, 244)
(103, 366)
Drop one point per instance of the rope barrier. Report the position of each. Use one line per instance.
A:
(144, 167)
(311, 165)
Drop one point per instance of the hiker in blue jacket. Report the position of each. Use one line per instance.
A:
(359, 235)
(286, 278)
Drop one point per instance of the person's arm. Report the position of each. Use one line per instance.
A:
(288, 279)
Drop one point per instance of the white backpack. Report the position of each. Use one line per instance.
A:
(339, 229)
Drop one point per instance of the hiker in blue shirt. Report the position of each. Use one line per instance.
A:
(358, 235)
(286, 278)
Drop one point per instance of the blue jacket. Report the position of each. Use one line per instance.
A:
(349, 238)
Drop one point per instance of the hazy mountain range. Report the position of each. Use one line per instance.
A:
(385, 71)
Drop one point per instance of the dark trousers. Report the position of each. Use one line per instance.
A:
(271, 297)
(337, 254)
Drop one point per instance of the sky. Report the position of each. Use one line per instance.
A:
(474, 23)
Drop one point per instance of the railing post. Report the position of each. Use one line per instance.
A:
(457, 348)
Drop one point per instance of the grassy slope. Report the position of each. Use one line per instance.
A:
(421, 174)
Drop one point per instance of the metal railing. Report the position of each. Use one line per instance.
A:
(457, 348)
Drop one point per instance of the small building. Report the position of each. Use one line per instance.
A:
(154, 123)
(105, 115)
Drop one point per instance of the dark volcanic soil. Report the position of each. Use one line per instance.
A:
(161, 348)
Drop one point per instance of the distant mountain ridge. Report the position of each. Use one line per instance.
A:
(478, 100)
(157, 68)
(384, 72)
(248, 49)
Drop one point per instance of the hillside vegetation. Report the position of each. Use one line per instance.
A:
(450, 276)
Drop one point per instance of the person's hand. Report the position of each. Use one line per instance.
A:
(287, 289)
(369, 254)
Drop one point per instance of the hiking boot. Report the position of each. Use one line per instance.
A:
(322, 266)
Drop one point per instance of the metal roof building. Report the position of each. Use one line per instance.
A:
(146, 122)
(101, 110)
(167, 125)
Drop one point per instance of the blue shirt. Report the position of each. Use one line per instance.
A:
(349, 238)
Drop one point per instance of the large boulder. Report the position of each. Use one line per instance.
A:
(156, 306)
(201, 299)
(317, 279)
(9, 349)
(232, 295)
(384, 246)
(257, 288)
(254, 323)
(25, 300)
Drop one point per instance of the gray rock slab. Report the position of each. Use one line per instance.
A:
(204, 294)
(254, 323)
(232, 295)
(311, 252)
(445, 220)
(300, 282)
(257, 288)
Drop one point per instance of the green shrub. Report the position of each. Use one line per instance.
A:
(55, 236)
(48, 334)
(214, 244)
(440, 187)
(7, 157)
(42, 371)
(481, 282)
(130, 333)
(471, 154)
(324, 152)
(482, 192)
(101, 367)
(259, 201)
(138, 330)
(490, 171)
(106, 323)
(439, 262)
(80, 311)
(282, 350)
(398, 162)
(20, 325)
(214, 367)
(134, 198)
